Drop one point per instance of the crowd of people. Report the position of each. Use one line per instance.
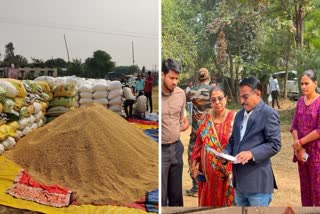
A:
(229, 152)
(139, 95)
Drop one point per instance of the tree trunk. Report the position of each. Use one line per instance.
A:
(231, 71)
(299, 22)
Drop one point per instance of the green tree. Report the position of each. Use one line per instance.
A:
(11, 58)
(126, 70)
(56, 63)
(178, 39)
(37, 63)
(76, 68)
(99, 65)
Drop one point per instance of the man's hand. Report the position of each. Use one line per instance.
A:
(244, 157)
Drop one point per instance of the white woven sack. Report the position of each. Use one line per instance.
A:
(11, 90)
(48, 79)
(26, 130)
(114, 85)
(38, 116)
(85, 94)
(85, 87)
(99, 86)
(23, 123)
(85, 101)
(37, 107)
(100, 94)
(116, 101)
(115, 93)
(34, 126)
(32, 119)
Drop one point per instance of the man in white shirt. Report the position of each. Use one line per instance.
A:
(275, 91)
(129, 101)
(141, 105)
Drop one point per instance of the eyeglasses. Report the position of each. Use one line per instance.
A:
(246, 96)
(215, 99)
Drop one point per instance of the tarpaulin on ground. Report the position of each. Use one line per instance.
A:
(143, 122)
(153, 133)
(152, 200)
(9, 171)
(25, 187)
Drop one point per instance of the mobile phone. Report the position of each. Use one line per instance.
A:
(201, 177)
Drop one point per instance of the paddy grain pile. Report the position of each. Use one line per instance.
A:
(95, 153)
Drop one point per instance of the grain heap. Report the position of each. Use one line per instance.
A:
(93, 152)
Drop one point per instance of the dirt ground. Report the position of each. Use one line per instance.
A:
(286, 172)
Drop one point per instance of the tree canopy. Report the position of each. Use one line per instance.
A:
(236, 38)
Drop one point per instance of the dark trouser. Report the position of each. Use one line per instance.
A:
(275, 97)
(149, 98)
(171, 174)
(128, 103)
(190, 149)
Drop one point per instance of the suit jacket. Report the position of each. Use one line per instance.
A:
(262, 138)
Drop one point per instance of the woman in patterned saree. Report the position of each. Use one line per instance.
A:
(214, 178)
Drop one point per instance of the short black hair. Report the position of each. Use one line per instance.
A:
(311, 74)
(149, 72)
(170, 64)
(217, 88)
(252, 82)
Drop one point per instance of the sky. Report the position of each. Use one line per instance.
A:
(37, 28)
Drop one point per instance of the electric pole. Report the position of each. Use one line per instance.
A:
(65, 41)
(133, 57)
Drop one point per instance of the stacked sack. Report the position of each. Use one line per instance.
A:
(100, 92)
(12, 99)
(64, 99)
(115, 98)
(32, 113)
(85, 92)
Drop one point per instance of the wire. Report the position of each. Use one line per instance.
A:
(78, 28)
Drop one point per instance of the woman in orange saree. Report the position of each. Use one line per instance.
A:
(214, 178)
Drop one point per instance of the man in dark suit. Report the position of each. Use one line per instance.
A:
(255, 139)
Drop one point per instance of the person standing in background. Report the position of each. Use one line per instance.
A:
(200, 98)
(305, 131)
(13, 72)
(275, 91)
(174, 121)
(148, 90)
(189, 103)
(139, 84)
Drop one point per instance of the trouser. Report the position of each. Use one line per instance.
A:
(275, 98)
(149, 99)
(190, 149)
(252, 199)
(171, 174)
(128, 103)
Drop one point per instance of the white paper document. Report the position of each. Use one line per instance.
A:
(222, 155)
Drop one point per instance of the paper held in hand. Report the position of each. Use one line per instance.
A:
(222, 155)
